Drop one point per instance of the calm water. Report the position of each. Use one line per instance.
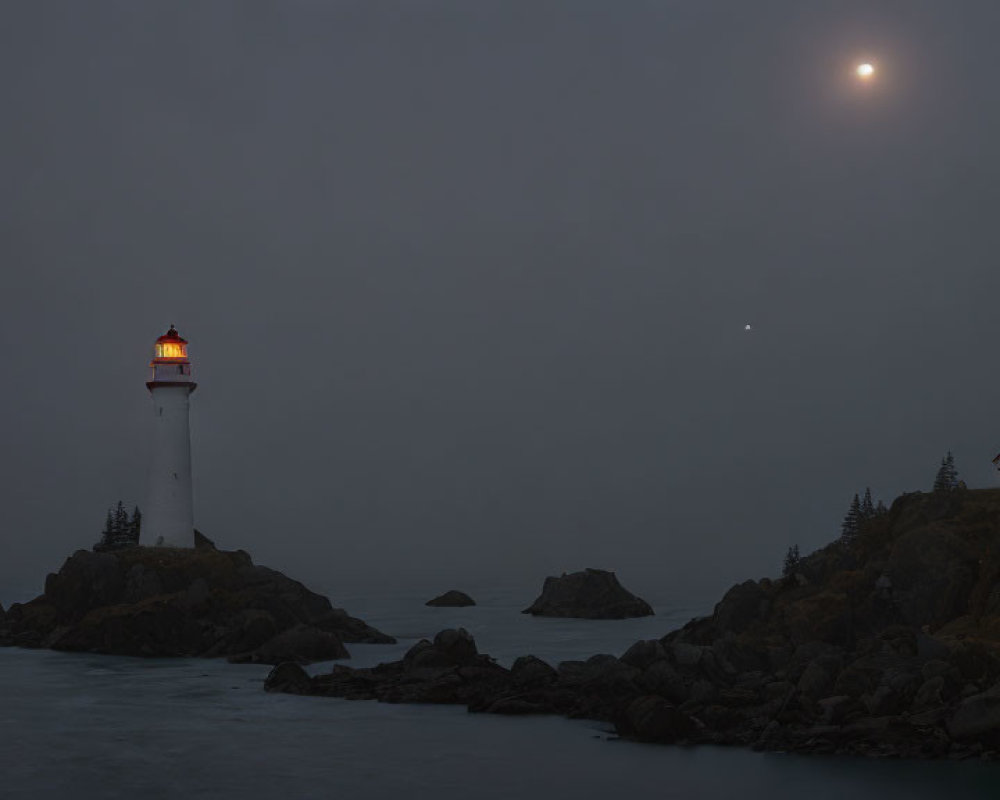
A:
(83, 726)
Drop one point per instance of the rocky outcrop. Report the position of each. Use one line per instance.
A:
(202, 542)
(887, 646)
(591, 594)
(182, 602)
(451, 599)
(451, 670)
(288, 677)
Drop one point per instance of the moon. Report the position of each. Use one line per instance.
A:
(865, 70)
(747, 327)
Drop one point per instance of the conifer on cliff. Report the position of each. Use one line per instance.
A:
(792, 560)
(947, 476)
(852, 520)
(867, 506)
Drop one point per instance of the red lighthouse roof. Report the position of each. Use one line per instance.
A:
(172, 336)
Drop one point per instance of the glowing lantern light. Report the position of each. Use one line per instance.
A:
(170, 345)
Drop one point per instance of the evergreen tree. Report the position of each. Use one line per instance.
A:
(852, 520)
(867, 507)
(135, 526)
(792, 560)
(947, 476)
(949, 462)
(120, 520)
(120, 531)
(880, 509)
(105, 541)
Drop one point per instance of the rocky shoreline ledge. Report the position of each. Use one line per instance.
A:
(152, 601)
(887, 645)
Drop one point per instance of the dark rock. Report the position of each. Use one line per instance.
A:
(818, 677)
(644, 653)
(531, 671)
(456, 644)
(933, 572)
(602, 671)
(302, 644)
(202, 542)
(450, 648)
(686, 656)
(977, 717)
(250, 629)
(141, 583)
(411, 655)
(288, 677)
(452, 599)
(87, 580)
(930, 694)
(662, 679)
(834, 709)
(591, 594)
(742, 605)
(350, 629)
(147, 601)
(653, 719)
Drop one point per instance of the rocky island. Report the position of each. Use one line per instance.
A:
(590, 594)
(451, 599)
(885, 644)
(163, 601)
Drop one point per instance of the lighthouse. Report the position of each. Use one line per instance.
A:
(169, 517)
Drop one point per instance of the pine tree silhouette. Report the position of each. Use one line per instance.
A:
(792, 560)
(119, 531)
(867, 507)
(946, 478)
(135, 526)
(852, 521)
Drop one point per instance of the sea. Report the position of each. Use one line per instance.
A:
(85, 726)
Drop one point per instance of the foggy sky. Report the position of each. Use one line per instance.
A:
(465, 283)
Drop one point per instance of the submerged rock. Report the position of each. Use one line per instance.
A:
(452, 598)
(591, 594)
(154, 601)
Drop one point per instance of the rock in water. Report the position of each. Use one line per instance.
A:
(591, 594)
(454, 598)
(156, 601)
(303, 644)
(288, 677)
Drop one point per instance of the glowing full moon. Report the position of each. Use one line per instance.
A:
(865, 70)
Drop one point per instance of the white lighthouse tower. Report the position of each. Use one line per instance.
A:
(169, 517)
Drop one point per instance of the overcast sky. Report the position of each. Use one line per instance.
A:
(466, 282)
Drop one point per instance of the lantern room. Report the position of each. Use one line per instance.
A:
(170, 347)
(170, 361)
